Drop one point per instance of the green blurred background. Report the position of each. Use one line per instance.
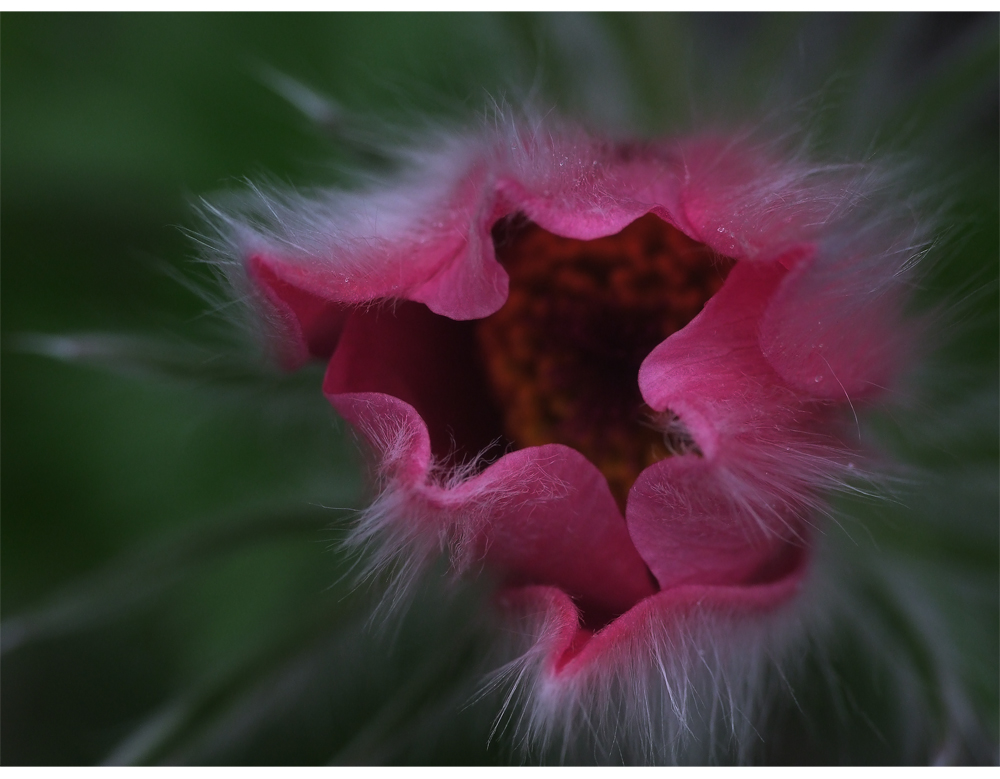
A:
(169, 543)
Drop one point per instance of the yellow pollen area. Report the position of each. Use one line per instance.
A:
(562, 355)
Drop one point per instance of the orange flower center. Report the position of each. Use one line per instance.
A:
(562, 355)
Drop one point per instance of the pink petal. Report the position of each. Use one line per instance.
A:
(741, 203)
(690, 525)
(832, 333)
(539, 515)
(562, 527)
(598, 202)
(712, 373)
(720, 517)
(422, 245)
(571, 647)
(307, 325)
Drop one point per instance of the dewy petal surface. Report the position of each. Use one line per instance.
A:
(847, 342)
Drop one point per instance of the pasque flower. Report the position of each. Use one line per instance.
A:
(620, 376)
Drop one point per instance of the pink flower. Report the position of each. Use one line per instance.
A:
(621, 377)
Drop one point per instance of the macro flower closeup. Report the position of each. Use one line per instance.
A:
(618, 376)
(491, 389)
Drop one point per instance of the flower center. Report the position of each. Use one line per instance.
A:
(562, 355)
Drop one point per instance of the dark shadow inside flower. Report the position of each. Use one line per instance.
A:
(562, 355)
(429, 362)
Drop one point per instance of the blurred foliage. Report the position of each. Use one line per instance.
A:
(170, 590)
